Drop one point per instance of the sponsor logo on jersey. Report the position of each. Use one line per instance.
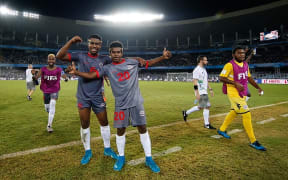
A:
(129, 67)
(50, 78)
(142, 113)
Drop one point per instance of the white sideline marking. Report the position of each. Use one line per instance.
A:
(72, 143)
(266, 121)
(216, 136)
(284, 115)
(234, 131)
(163, 153)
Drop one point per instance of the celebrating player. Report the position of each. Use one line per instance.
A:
(235, 76)
(50, 85)
(123, 76)
(89, 92)
(200, 80)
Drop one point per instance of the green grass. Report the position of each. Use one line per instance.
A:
(23, 127)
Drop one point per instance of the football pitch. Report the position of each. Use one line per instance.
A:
(198, 156)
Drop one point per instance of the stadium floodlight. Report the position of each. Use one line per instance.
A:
(6, 11)
(30, 15)
(133, 17)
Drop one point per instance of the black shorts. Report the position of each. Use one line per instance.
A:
(48, 96)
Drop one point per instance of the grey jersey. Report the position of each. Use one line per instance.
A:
(89, 88)
(123, 78)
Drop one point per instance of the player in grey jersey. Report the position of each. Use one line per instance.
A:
(89, 92)
(123, 76)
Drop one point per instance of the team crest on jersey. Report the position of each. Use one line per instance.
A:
(102, 104)
(129, 67)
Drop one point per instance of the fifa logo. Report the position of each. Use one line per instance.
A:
(242, 75)
(50, 78)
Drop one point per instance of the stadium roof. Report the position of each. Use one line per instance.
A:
(173, 10)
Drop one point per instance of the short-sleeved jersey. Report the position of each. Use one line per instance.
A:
(201, 75)
(29, 75)
(228, 73)
(89, 88)
(123, 78)
(50, 80)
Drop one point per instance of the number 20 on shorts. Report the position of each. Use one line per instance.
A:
(119, 116)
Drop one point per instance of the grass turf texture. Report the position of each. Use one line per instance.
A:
(23, 127)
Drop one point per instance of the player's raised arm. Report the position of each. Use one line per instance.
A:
(93, 74)
(166, 55)
(141, 61)
(63, 54)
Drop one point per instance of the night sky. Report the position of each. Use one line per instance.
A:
(172, 9)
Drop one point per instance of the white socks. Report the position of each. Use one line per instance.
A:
(193, 109)
(206, 116)
(47, 107)
(105, 133)
(51, 112)
(120, 141)
(85, 137)
(146, 143)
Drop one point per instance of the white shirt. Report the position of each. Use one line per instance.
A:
(29, 75)
(201, 75)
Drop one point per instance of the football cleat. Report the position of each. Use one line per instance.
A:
(209, 126)
(110, 152)
(86, 158)
(224, 134)
(152, 165)
(49, 129)
(258, 146)
(119, 163)
(184, 115)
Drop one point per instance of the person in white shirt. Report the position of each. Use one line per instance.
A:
(29, 81)
(200, 80)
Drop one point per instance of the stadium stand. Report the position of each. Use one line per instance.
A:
(25, 41)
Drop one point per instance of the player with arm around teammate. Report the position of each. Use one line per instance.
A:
(89, 92)
(129, 109)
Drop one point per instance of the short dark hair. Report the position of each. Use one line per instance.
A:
(200, 57)
(115, 44)
(235, 48)
(96, 36)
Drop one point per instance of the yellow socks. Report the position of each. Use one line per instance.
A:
(228, 119)
(248, 126)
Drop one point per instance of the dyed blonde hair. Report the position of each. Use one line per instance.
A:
(51, 55)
